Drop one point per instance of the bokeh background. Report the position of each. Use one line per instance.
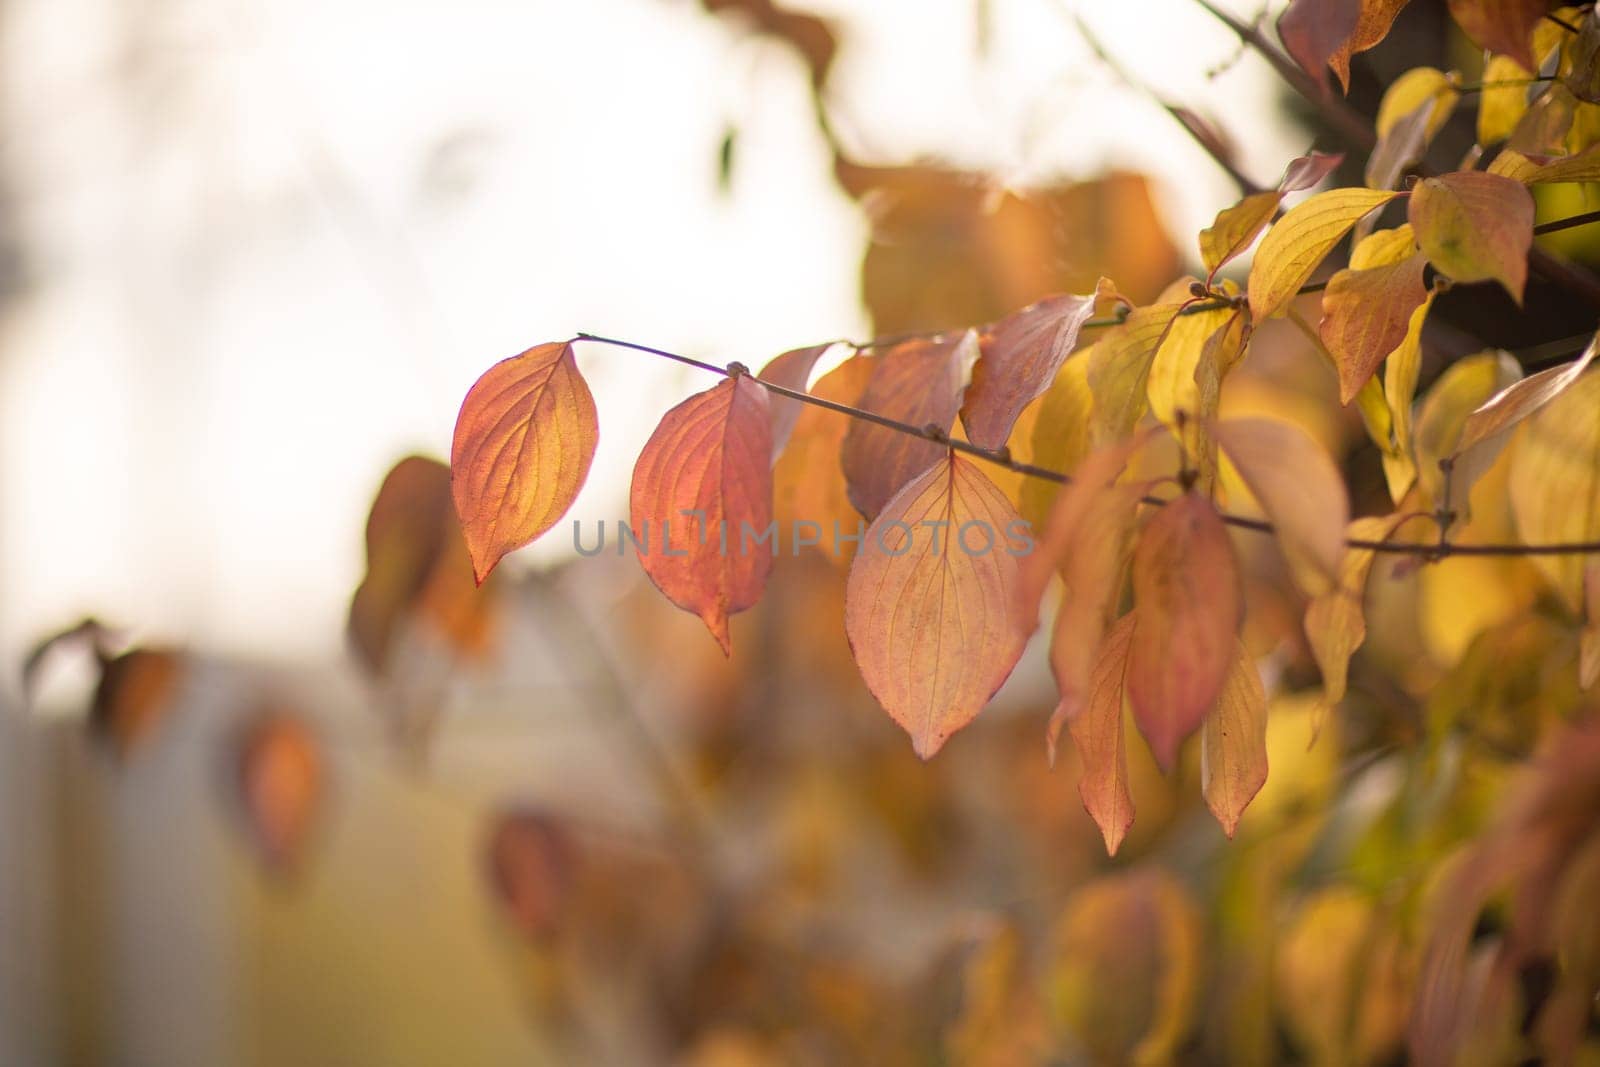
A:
(253, 254)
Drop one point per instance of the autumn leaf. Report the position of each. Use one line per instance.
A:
(1298, 488)
(1475, 227)
(532, 865)
(808, 483)
(1021, 356)
(930, 609)
(1555, 482)
(1402, 371)
(1233, 742)
(701, 503)
(1098, 734)
(1582, 167)
(1335, 621)
(1119, 370)
(920, 383)
(280, 778)
(1237, 227)
(1403, 144)
(1365, 314)
(1504, 27)
(1300, 240)
(791, 370)
(1187, 593)
(1372, 26)
(1062, 436)
(1313, 31)
(1503, 101)
(1464, 387)
(137, 691)
(524, 441)
(1305, 171)
(1517, 401)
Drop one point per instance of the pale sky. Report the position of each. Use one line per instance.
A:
(271, 245)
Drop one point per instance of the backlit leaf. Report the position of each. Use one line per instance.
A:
(1502, 104)
(1403, 145)
(1555, 482)
(1236, 229)
(1371, 27)
(1119, 370)
(1583, 167)
(1365, 314)
(808, 482)
(1464, 387)
(1475, 227)
(1504, 27)
(701, 499)
(280, 780)
(1062, 436)
(1412, 89)
(1306, 171)
(1400, 376)
(523, 444)
(1187, 593)
(918, 382)
(1299, 489)
(1335, 621)
(1101, 740)
(1020, 359)
(1300, 240)
(1313, 31)
(1521, 399)
(1233, 742)
(930, 610)
(792, 370)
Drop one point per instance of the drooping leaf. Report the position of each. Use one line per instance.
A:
(1223, 351)
(1233, 742)
(701, 502)
(1465, 386)
(930, 610)
(1300, 240)
(791, 370)
(280, 777)
(523, 444)
(418, 569)
(1062, 436)
(1371, 28)
(1175, 390)
(1402, 145)
(1475, 227)
(1187, 593)
(1521, 399)
(1119, 370)
(1125, 977)
(1314, 31)
(1401, 373)
(808, 481)
(1503, 102)
(1236, 229)
(1504, 27)
(1365, 314)
(1020, 359)
(1555, 482)
(1101, 741)
(1300, 490)
(137, 691)
(1336, 622)
(918, 382)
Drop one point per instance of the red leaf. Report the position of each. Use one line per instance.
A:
(1186, 591)
(524, 440)
(920, 383)
(281, 785)
(1504, 27)
(929, 608)
(701, 499)
(1313, 31)
(1101, 741)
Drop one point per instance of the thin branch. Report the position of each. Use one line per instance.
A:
(1506, 83)
(1563, 23)
(1568, 223)
(1002, 458)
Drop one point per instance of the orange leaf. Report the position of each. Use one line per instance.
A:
(918, 382)
(792, 370)
(136, 693)
(1020, 360)
(701, 503)
(1371, 28)
(1365, 314)
(523, 443)
(1504, 27)
(1233, 743)
(1299, 489)
(1186, 591)
(1475, 227)
(1101, 741)
(807, 483)
(929, 607)
(1300, 241)
(280, 776)
(1314, 31)
(1520, 399)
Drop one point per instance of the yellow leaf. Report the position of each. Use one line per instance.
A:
(1399, 391)
(1384, 247)
(931, 599)
(1119, 370)
(1300, 240)
(1233, 742)
(1061, 436)
(1475, 227)
(1583, 167)
(1501, 106)
(1413, 89)
(1462, 389)
(1555, 482)
(1300, 490)
(1336, 621)
(1236, 229)
(1101, 740)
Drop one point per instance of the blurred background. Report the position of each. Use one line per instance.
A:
(253, 254)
